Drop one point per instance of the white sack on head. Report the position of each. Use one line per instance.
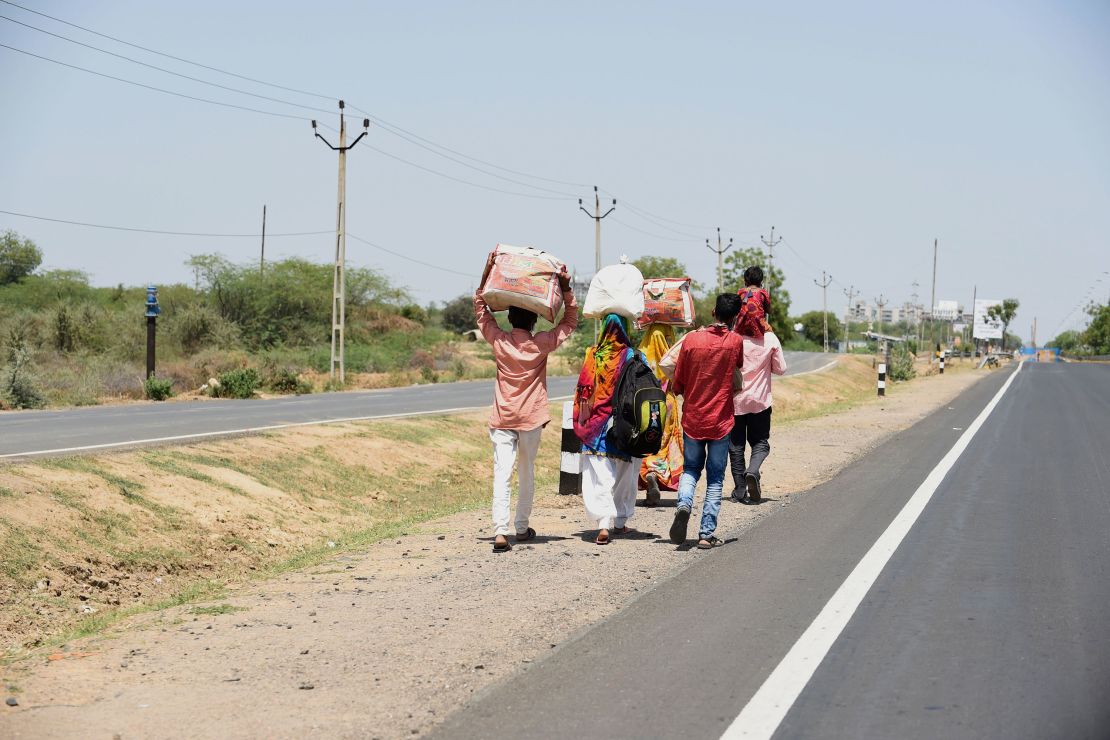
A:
(615, 289)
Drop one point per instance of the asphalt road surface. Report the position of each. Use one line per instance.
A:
(71, 431)
(990, 619)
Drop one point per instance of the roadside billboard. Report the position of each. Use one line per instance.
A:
(946, 310)
(985, 327)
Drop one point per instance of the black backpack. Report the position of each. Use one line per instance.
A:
(639, 411)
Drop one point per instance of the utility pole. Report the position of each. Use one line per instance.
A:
(851, 292)
(917, 313)
(933, 299)
(262, 258)
(597, 215)
(823, 285)
(339, 278)
(720, 259)
(881, 302)
(771, 244)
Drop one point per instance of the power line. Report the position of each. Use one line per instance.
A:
(471, 166)
(460, 180)
(648, 233)
(158, 231)
(163, 69)
(406, 257)
(151, 87)
(387, 125)
(169, 56)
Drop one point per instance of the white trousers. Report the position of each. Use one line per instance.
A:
(507, 445)
(609, 489)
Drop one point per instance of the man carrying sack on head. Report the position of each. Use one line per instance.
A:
(520, 407)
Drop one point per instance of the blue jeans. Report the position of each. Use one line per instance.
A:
(711, 454)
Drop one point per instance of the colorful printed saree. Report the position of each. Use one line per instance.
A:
(597, 383)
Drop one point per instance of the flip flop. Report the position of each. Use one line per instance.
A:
(502, 548)
(708, 543)
(526, 536)
(621, 530)
(602, 539)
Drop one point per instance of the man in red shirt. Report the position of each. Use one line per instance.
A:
(703, 377)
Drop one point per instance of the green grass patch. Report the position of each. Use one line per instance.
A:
(19, 555)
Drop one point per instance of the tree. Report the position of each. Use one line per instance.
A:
(1067, 341)
(1004, 312)
(813, 326)
(18, 258)
(1097, 333)
(740, 260)
(458, 314)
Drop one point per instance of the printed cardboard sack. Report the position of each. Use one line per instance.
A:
(524, 277)
(667, 301)
(615, 289)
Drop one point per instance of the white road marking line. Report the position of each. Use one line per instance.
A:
(249, 430)
(765, 711)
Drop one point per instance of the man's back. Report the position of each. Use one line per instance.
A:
(703, 376)
(763, 357)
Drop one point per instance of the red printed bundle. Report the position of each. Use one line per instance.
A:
(667, 301)
(524, 277)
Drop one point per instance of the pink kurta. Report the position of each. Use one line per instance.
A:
(762, 357)
(520, 394)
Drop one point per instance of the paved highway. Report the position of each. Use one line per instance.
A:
(986, 614)
(30, 433)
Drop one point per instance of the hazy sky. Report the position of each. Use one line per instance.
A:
(862, 131)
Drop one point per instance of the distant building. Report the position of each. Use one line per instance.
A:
(947, 311)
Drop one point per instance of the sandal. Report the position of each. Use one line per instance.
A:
(526, 536)
(708, 543)
(621, 530)
(602, 537)
(502, 548)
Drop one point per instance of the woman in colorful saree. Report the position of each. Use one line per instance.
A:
(608, 475)
(661, 472)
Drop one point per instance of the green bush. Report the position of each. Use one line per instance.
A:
(284, 380)
(16, 385)
(901, 363)
(239, 383)
(157, 389)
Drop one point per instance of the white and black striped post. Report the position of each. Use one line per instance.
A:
(570, 464)
(882, 378)
(943, 352)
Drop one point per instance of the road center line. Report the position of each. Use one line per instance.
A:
(763, 714)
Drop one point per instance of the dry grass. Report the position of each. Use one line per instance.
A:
(84, 540)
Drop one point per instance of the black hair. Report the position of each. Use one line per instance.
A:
(522, 318)
(754, 276)
(727, 308)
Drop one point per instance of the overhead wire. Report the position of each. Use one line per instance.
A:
(163, 69)
(152, 87)
(407, 257)
(168, 56)
(538, 196)
(654, 236)
(162, 231)
(213, 235)
(386, 124)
